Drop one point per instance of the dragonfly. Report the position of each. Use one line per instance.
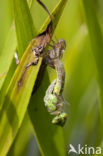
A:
(54, 100)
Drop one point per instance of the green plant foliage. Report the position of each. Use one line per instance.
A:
(96, 39)
(18, 147)
(8, 48)
(8, 65)
(23, 115)
(16, 99)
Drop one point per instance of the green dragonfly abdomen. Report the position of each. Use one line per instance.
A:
(59, 86)
(55, 104)
(53, 99)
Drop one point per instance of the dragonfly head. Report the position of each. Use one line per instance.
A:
(60, 119)
(62, 46)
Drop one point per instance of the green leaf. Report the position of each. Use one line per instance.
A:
(48, 135)
(7, 53)
(18, 96)
(8, 64)
(5, 120)
(21, 142)
(96, 39)
(73, 57)
(24, 25)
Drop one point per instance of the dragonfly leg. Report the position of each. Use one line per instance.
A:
(53, 42)
(47, 60)
(50, 45)
(32, 63)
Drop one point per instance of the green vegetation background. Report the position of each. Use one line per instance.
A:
(81, 26)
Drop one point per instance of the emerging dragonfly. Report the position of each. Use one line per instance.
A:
(53, 99)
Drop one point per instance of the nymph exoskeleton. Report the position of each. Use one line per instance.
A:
(53, 99)
(37, 50)
(34, 49)
(42, 40)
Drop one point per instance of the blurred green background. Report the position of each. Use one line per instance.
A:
(81, 88)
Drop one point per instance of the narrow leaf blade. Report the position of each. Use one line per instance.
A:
(16, 102)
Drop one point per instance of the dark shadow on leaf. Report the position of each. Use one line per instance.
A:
(42, 119)
(11, 113)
